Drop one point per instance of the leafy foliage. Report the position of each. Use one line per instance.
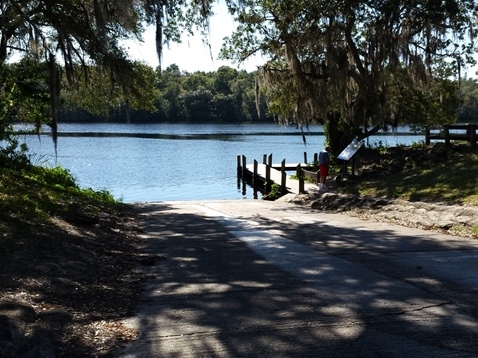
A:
(23, 95)
(99, 93)
(348, 64)
(31, 195)
(78, 36)
(226, 95)
(469, 101)
(275, 192)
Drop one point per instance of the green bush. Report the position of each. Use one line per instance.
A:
(275, 192)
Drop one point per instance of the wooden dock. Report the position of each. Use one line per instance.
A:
(458, 132)
(261, 176)
(291, 185)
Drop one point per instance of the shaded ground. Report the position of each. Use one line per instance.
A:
(64, 289)
(376, 162)
(249, 278)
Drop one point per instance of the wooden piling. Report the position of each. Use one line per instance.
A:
(283, 188)
(261, 177)
(267, 183)
(300, 177)
(255, 180)
(239, 169)
(254, 176)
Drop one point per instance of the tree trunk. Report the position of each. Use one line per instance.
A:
(338, 133)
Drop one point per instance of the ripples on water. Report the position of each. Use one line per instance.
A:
(161, 162)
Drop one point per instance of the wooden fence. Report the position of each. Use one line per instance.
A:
(459, 132)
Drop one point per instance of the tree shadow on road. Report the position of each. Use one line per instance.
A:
(214, 296)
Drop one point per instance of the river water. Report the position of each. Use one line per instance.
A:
(159, 162)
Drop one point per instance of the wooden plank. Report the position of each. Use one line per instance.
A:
(289, 167)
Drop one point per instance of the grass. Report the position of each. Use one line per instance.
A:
(32, 196)
(450, 177)
(434, 173)
(306, 178)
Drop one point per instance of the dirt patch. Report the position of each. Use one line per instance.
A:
(65, 287)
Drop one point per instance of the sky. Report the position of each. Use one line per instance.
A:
(192, 55)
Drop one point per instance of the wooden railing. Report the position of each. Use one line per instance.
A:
(459, 132)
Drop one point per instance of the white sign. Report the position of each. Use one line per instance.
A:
(350, 151)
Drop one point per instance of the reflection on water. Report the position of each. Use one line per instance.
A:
(176, 161)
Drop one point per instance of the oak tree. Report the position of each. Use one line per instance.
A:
(337, 62)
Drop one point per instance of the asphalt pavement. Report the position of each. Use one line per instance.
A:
(253, 278)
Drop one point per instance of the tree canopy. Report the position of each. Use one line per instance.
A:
(352, 65)
(72, 36)
(337, 61)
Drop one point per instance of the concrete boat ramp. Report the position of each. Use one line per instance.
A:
(252, 278)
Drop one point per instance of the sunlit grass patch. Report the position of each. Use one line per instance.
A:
(471, 200)
(31, 196)
(461, 230)
(451, 178)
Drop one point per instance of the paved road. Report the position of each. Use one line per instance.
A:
(268, 279)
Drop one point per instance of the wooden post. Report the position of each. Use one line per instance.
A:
(446, 130)
(472, 129)
(264, 159)
(239, 172)
(300, 176)
(269, 160)
(283, 189)
(305, 157)
(267, 183)
(316, 157)
(427, 135)
(243, 168)
(254, 177)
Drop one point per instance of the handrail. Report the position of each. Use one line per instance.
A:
(445, 133)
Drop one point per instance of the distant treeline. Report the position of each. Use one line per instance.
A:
(224, 96)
